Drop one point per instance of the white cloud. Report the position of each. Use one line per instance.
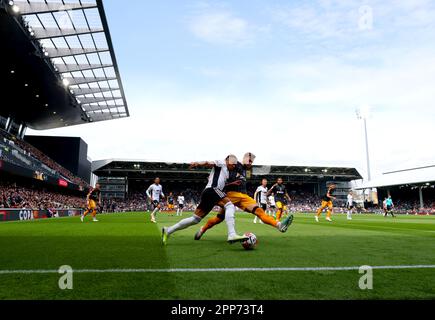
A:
(222, 28)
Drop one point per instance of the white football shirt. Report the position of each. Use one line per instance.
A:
(262, 194)
(180, 199)
(218, 175)
(349, 199)
(155, 191)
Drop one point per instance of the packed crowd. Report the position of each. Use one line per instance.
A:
(33, 152)
(18, 197)
(29, 197)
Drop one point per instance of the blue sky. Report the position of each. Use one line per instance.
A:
(281, 79)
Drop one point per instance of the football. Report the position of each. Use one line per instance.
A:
(251, 243)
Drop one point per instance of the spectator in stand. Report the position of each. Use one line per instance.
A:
(38, 155)
(19, 197)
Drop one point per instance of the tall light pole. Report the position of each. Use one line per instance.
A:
(362, 114)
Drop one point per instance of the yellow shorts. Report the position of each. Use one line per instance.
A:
(170, 206)
(327, 204)
(241, 200)
(92, 205)
(281, 206)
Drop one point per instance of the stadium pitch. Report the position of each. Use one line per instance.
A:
(121, 257)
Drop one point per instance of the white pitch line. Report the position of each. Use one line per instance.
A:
(204, 270)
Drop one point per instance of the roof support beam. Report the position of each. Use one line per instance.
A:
(83, 91)
(66, 52)
(63, 68)
(41, 7)
(109, 109)
(81, 80)
(86, 101)
(48, 33)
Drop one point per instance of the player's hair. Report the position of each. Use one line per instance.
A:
(232, 159)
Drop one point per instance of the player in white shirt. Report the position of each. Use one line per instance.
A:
(211, 196)
(349, 205)
(260, 196)
(155, 193)
(272, 205)
(180, 201)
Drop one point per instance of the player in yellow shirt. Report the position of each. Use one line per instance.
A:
(93, 200)
(327, 202)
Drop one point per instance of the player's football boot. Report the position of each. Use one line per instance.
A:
(317, 218)
(286, 223)
(199, 234)
(82, 218)
(164, 236)
(236, 238)
(95, 220)
(328, 219)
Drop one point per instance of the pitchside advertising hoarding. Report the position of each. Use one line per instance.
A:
(28, 214)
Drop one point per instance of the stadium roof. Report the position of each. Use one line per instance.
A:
(141, 169)
(414, 176)
(73, 38)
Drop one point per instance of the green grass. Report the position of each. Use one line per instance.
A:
(122, 241)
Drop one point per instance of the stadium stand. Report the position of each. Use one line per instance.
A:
(14, 196)
(21, 153)
(51, 79)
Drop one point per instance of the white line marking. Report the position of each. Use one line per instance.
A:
(6, 272)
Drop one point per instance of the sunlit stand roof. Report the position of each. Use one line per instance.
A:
(75, 37)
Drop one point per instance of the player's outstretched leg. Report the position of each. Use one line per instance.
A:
(279, 214)
(281, 226)
(210, 224)
(183, 224)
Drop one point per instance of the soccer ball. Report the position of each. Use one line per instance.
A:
(251, 243)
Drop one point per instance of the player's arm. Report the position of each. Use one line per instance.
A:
(330, 196)
(234, 183)
(288, 197)
(256, 194)
(203, 164)
(88, 197)
(148, 192)
(271, 190)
